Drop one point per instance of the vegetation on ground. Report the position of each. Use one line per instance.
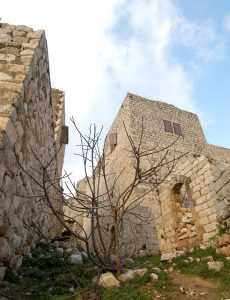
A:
(47, 276)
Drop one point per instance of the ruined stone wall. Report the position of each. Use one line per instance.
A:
(27, 122)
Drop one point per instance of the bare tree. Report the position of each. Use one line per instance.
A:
(109, 203)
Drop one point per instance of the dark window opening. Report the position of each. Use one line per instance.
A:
(172, 127)
(113, 141)
(177, 128)
(168, 126)
(64, 135)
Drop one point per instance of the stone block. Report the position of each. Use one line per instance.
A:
(23, 28)
(4, 38)
(5, 77)
(208, 227)
(35, 34)
(7, 57)
(108, 280)
(204, 221)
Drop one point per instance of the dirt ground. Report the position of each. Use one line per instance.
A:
(191, 287)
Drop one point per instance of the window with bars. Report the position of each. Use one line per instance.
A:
(172, 127)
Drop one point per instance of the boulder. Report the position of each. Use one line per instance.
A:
(108, 280)
(153, 276)
(215, 265)
(130, 274)
(139, 272)
(126, 276)
(75, 259)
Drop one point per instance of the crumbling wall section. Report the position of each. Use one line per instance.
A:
(208, 203)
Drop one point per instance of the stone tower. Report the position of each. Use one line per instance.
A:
(187, 206)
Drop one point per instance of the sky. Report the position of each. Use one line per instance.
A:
(176, 51)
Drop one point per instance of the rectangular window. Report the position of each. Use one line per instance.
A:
(168, 126)
(177, 129)
(113, 141)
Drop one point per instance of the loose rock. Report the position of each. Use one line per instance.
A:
(75, 259)
(130, 274)
(108, 280)
(215, 265)
(153, 276)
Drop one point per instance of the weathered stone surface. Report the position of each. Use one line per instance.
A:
(143, 253)
(5, 250)
(215, 265)
(36, 34)
(7, 57)
(5, 77)
(108, 280)
(4, 37)
(30, 125)
(23, 28)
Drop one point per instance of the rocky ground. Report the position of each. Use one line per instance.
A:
(67, 274)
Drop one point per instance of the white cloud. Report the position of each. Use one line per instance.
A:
(99, 50)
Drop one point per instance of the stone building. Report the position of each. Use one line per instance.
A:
(185, 209)
(32, 120)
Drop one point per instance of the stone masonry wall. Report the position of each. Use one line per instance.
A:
(186, 208)
(27, 123)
